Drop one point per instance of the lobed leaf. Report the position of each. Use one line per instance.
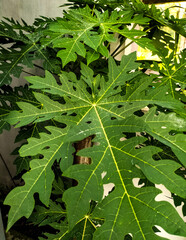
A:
(103, 107)
(40, 177)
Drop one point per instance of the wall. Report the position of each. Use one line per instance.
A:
(29, 10)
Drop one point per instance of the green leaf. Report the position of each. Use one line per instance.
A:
(168, 129)
(20, 46)
(40, 177)
(22, 163)
(44, 216)
(135, 212)
(4, 126)
(7, 31)
(143, 42)
(83, 230)
(92, 106)
(107, 157)
(81, 30)
(8, 98)
(92, 56)
(173, 72)
(159, 17)
(15, 57)
(78, 100)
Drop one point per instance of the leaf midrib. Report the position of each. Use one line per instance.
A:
(121, 179)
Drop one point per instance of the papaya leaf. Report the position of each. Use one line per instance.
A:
(40, 177)
(20, 46)
(173, 70)
(83, 230)
(104, 159)
(8, 32)
(4, 126)
(140, 211)
(168, 129)
(79, 101)
(22, 163)
(15, 57)
(45, 216)
(8, 98)
(79, 30)
(92, 106)
(163, 18)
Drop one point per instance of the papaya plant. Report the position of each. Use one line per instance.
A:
(84, 125)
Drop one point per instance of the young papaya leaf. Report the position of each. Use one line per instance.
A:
(80, 30)
(40, 177)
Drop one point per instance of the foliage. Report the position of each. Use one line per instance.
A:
(83, 93)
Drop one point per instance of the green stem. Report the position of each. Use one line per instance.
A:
(28, 72)
(121, 50)
(121, 43)
(176, 42)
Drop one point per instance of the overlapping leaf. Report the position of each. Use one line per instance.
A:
(163, 18)
(19, 49)
(86, 27)
(11, 58)
(79, 101)
(89, 113)
(8, 32)
(148, 11)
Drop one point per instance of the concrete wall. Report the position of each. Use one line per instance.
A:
(29, 10)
